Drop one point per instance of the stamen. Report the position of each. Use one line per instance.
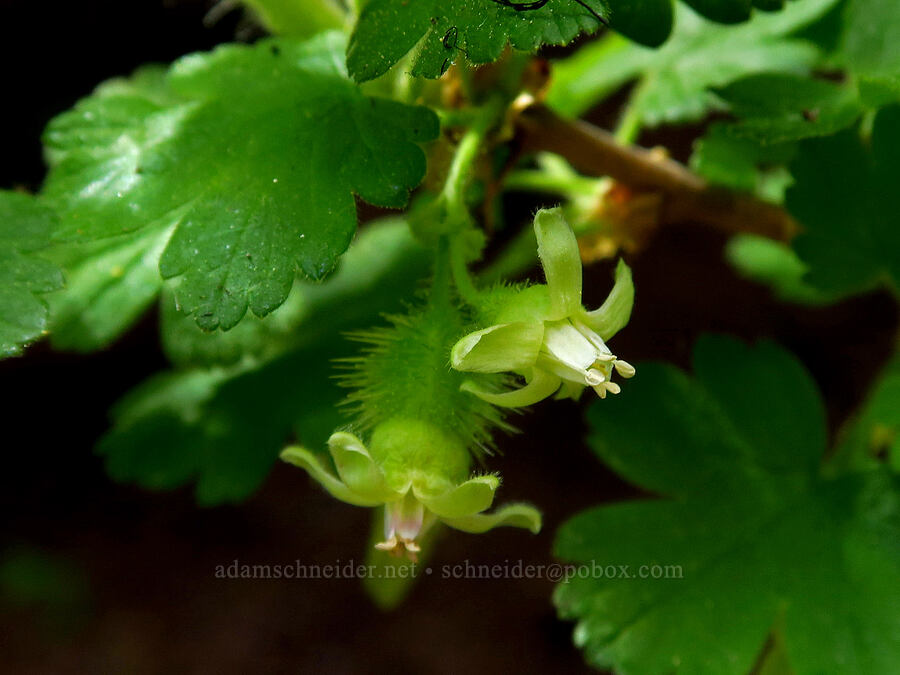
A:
(594, 377)
(613, 387)
(390, 545)
(412, 550)
(605, 358)
(601, 390)
(624, 368)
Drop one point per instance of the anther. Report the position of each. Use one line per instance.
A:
(594, 377)
(624, 368)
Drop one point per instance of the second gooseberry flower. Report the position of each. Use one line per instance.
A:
(544, 333)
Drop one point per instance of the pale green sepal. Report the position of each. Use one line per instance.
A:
(614, 313)
(542, 385)
(571, 390)
(497, 349)
(473, 496)
(558, 251)
(303, 458)
(512, 515)
(530, 304)
(358, 470)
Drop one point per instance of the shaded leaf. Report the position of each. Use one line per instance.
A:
(222, 431)
(224, 427)
(778, 108)
(871, 40)
(872, 436)
(647, 22)
(851, 237)
(724, 11)
(774, 264)
(672, 81)
(743, 163)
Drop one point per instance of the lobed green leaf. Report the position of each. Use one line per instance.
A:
(376, 272)
(755, 541)
(444, 30)
(242, 161)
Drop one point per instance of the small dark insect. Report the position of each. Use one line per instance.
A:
(531, 5)
(450, 42)
(523, 6)
(811, 115)
(450, 38)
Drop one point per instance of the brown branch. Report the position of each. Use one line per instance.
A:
(686, 196)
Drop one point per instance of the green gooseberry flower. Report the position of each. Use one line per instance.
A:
(420, 474)
(543, 332)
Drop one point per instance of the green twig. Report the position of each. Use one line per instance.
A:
(629, 128)
(452, 199)
(687, 197)
(461, 277)
(536, 180)
(460, 172)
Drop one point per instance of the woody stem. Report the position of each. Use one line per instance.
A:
(686, 196)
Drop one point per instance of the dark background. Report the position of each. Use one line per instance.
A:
(122, 580)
